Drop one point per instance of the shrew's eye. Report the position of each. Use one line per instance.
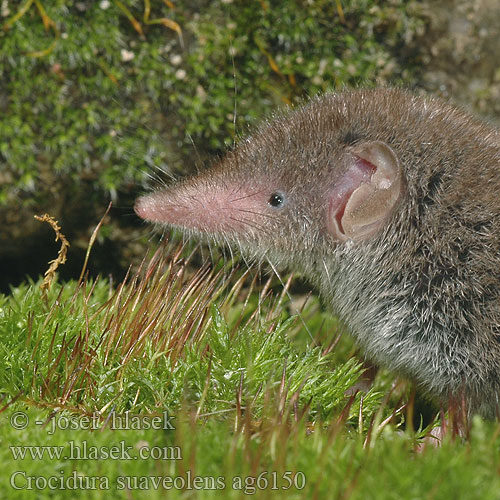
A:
(276, 200)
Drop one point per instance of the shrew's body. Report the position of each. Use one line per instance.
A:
(390, 204)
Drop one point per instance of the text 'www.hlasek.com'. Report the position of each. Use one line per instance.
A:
(79, 452)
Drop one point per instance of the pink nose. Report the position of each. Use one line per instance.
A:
(205, 207)
(140, 209)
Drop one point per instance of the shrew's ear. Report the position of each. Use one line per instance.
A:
(365, 194)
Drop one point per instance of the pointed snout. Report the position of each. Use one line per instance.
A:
(207, 208)
(140, 207)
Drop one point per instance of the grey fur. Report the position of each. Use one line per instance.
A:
(422, 296)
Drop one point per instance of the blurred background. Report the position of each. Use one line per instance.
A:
(101, 99)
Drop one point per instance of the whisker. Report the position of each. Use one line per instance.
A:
(248, 195)
(260, 226)
(230, 249)
(235, 92)
(326, 271)
(290, 299)
(250, 224)
(242, 255)
(199, 161)
(163, 171)
(256, 213)
(238, 190)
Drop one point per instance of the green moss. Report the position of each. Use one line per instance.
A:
(41, 348)
(106, 104)
(229, 403)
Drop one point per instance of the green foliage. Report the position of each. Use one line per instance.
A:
(247, 401)
(335, 465)
(102, 103)
(40, 349)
